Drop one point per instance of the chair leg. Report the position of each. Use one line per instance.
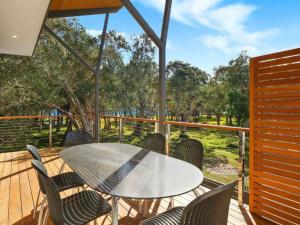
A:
(41, 211)
(62, 168)
(46, 217)
(36, 204)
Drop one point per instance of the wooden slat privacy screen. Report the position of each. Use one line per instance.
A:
(275, 136)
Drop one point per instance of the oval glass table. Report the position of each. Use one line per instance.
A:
(128, 171)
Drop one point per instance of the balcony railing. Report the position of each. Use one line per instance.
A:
(226, 148)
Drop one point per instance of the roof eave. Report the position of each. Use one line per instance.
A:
(81, 12)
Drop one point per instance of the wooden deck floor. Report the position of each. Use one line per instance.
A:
(19, 188)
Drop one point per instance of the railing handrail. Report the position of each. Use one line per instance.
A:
(121, 119)
(176, 123)
(132, 118)
(203, 125)
(29, 117)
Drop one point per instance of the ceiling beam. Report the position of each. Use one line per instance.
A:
(63, 43)
(138, 17)
(97, 76)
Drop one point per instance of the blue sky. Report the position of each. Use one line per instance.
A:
(208, 33)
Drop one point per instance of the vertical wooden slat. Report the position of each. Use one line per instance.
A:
(251, 133)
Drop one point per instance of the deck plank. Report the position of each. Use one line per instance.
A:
(26, 194)
(2, 159)
(15, 206)
(19, 188)
(5, 189)
(33, 183)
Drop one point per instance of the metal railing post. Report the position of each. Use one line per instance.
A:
(168, 138)
(156, 127)
(50, 132)
(241, 168)
(121, 130)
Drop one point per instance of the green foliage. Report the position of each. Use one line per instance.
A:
(54, 79)
(185, 86)
(235, 78)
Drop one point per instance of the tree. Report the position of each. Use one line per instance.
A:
(235, 78)
(142, 77)
(52, 78)
(186, 85)
(215, 98)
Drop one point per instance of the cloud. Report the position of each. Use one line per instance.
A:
(93, 32)
(226, 21)
(217, 41)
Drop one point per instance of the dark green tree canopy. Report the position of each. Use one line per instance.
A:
(54, 79)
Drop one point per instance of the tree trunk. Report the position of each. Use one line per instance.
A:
(183, 129)
(58, 124)
(218, 117)
(230, 121)
(116, 123)
(238, 121)
(108, 123)
(78, 109)
(105, 123)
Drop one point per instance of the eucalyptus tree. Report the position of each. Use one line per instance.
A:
(142, 77)
(185, 89)
(236, 81)
(111, 79)
(186, 86)
(52, 78)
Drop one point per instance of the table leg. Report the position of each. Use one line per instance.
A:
(115, 219)
(140, 206)
(172, 202)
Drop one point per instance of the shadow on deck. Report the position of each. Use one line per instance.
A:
(19, 189)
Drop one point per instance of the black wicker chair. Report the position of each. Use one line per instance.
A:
(210, 208)
(63, 182)
(155, 142)
(77, 209)
(78, 137)
(191, 151)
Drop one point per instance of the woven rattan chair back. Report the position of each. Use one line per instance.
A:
(34, 152)
(210, 208)
(78, 137)
(190, 150)
(53, 197)
(155, 142)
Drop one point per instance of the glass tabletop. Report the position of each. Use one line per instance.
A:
(124, 170)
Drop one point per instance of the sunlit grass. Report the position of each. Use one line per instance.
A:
(221, 147)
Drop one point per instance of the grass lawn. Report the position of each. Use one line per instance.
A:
(221, 147)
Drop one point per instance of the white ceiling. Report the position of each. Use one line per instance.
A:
(20, 25)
